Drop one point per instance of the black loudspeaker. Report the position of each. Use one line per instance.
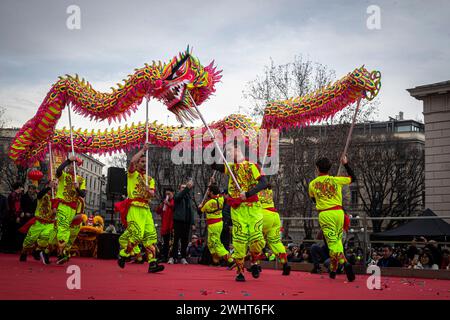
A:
(117, 181)
(108, 246)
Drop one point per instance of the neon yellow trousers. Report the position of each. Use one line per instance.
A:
(53, 242)
(37, 236)
(247, 233)
(271, 232)
(140, 229)
(64, 217)
(215, 245)
(332, 224)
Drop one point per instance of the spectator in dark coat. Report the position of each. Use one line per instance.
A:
(195, 247)
(225, 237)
(183, 221)
(28, 203)
(388, 261)
(3, 208)
(11, 222)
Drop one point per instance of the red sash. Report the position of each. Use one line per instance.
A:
(332, 208)
(212, 221)
(56, 202)
(24, 229)
(123, 206)
(346, 222)
(77, 220)
(346, 216)
(236, 202)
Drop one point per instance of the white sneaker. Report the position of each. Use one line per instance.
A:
(183, 261)
(171, 261)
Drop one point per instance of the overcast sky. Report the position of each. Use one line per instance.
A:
(411, 48)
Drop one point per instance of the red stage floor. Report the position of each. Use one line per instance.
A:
(102, 279)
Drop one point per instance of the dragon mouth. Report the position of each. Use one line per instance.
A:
(179, 102)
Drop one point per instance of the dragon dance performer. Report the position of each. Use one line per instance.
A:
(271, 228)
(139, 220)
(75, 227)
(67, 195)
(246, 212)
(41, 226)
(326, 192)
(212, 207)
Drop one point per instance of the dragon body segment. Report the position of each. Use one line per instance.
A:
(170, 83)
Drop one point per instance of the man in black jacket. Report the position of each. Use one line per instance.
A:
(28, 203)
(183, 221)
(225, 237)
(388, 261)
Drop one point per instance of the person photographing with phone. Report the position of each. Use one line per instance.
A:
(183, 220)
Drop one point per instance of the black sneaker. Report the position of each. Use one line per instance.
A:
(255, 269)
(121, 262)
(44, 257)
(348, 268)
(23, 257)
(36, 255)
(286, 269)
(155, 267)
(332, 275)
(240, 277)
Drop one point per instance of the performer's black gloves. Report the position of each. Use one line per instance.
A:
(350, 172)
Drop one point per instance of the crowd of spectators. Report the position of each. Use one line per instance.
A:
(420, 254)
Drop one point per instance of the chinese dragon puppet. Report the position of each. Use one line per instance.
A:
(175, 83)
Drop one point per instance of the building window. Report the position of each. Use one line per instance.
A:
(403, 128)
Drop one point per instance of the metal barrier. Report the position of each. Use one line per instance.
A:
(367, 243)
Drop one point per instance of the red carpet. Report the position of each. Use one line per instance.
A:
(103, 279)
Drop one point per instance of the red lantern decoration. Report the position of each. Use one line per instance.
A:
(35, 175)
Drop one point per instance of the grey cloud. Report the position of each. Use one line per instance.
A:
(412, 47)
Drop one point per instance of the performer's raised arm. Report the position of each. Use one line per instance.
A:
(261, 185)
(63, 165)
(137, 156)
(43, 192)
(350, 172)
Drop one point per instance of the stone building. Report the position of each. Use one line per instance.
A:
(91, 170)
(436, 111)
(9, 172)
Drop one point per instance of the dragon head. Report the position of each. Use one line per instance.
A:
(185, 82)
(369, 82)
